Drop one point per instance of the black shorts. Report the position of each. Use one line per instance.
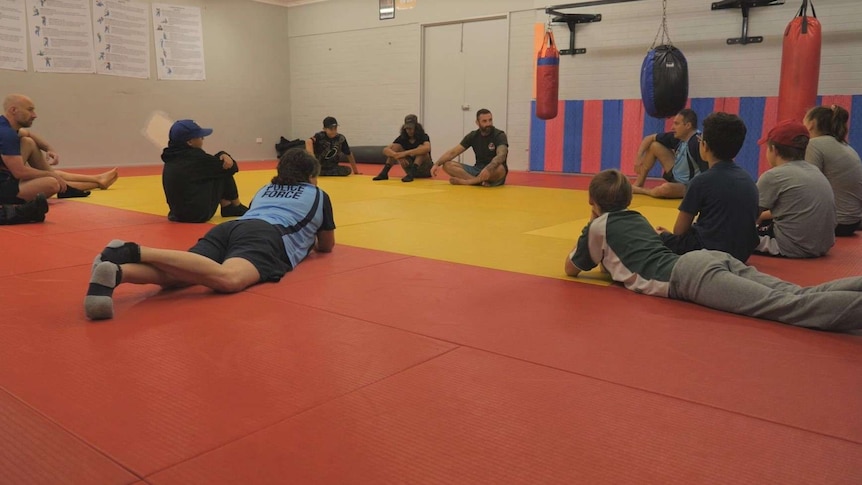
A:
(669, 177)
(9, 189)
(253, 240)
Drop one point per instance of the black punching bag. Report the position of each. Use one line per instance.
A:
(664, 81)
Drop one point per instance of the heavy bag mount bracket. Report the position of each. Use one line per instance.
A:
(745, 5)
(573, 19)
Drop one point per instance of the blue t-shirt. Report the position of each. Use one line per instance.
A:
(9, 142)
(725, 200)
(687, 162)
(292, 209)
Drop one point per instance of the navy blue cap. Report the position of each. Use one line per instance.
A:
(185, 130)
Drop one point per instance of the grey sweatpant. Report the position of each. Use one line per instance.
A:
(717, 280)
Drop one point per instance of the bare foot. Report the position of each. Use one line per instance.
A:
(470, 181)
(640, 190)
(108, 178)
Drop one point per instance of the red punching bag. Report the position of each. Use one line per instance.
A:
(800, 65)
(547, 78)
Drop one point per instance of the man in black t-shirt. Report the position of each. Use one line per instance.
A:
(491, 148)
(412, 150)
(329, 147)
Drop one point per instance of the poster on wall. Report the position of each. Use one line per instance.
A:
(61, 36)
(179, 41)
(13, 35)
(121, 38)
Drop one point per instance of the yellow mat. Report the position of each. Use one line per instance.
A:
(514, 228)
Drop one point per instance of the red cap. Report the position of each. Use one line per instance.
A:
(785, 132)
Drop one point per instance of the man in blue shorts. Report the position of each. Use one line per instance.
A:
(491, 148)
(288, 219)
(677, 152)
(26, 160)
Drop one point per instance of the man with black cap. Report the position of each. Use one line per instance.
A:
(412, 150)
(328, 146)
(195, 182)
(798, 218)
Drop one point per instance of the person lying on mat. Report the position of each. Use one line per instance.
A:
(329, 147)
(677, 152)
(798, 218)
(26, 160)
(627, 247)
(724, 198)
(288, 219)
(411, 150)
(195, 182)
(491, 148)
(840, 163)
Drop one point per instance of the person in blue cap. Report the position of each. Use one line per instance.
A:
(195, 182)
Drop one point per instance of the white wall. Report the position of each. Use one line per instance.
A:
(97, 120)
(369, 98)
(278, 71)
(347, 63)
(617, 45)
(343, 15)
(367, 79)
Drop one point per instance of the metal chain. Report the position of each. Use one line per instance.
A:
(662, 30)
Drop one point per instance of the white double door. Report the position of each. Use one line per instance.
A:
(465, 68)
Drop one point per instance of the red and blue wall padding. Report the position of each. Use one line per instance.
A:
(588, 136)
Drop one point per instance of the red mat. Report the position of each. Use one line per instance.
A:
(34, 450)
(750, 366)
(370, 367)
(471, 417)
(178, 375)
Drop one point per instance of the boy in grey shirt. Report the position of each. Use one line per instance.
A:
(796, 200)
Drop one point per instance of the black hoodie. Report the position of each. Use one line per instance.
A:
(193, 181)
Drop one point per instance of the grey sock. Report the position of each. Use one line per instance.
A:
(99, 302)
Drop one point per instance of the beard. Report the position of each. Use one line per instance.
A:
(26, 123)
(487, 130)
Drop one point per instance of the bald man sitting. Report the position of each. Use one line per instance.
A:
(26, 160)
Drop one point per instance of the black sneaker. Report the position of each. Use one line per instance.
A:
(233, 210)
(37, 208)
(384, 174)
(72, 192)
